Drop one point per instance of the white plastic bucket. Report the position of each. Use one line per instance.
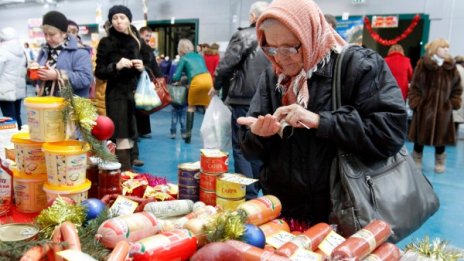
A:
(66, 162)
(30, 158)
(77, 193)
(28, 193)
(45, 118)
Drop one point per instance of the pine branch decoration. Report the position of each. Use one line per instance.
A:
(82, 113)
(437, 250)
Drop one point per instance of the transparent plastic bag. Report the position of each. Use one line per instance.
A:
(215, 130)
(145, 95)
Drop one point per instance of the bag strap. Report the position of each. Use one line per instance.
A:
(336, 81)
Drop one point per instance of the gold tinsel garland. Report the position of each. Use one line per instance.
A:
(226, 225)
(437, 249)
(83, 113)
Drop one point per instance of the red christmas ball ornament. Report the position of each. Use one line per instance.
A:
(104, 128)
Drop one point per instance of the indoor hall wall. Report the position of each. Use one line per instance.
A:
(446, 16)
(220, 18)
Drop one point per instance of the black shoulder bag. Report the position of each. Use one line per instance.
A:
(393, 190)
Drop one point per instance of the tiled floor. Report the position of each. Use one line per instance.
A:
(162, 155)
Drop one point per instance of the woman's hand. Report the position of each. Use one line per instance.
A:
(123, 63)
(264, 126)
(138, 64)
(212, 92)
(297, 116)
(47, 74)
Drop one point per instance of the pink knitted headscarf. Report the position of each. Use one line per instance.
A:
(306, 21)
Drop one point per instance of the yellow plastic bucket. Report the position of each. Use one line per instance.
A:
(30, 158)
(45, 118)
(66, 162)
(77, 193)
(28, 193)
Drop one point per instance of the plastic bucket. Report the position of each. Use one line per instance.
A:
(77, 193)
(66, 162)
(30, 158)
(45, 118)
(28, 193)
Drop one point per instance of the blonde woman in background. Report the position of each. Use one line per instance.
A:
(121, 58)
(199, 80)
(434, 93)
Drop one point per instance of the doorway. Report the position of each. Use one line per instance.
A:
(168, 33)
(413, 45)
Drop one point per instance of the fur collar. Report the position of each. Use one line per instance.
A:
(431, 65)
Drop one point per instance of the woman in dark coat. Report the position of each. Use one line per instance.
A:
(121, 57)
(435, 92)
(297, 92)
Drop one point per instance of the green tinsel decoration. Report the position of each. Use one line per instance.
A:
(226, 225)
(58, 213)
(82, 112)
(437, 250)
(87, 234)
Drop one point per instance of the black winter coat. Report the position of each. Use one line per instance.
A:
(240, 68)
(370, 123)
(120, 87)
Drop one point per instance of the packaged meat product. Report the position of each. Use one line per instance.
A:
(130, 228)
(310, 240)
(261, 210)
(363, 242)
(385, 252)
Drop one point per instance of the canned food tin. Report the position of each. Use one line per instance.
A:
(208, 197)
(230, 190)
(17, 232)
(188, 192)
(229, 203)
(208, 181)
(188, 174)
(214, 161)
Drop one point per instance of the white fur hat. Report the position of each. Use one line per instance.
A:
(8, 33)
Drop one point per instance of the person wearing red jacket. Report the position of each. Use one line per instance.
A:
(400, 66)
(211, 56)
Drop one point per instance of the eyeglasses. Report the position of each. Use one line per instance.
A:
(286, 51)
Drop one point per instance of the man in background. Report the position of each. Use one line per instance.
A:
(242, 64)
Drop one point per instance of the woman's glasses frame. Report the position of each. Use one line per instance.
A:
(286, 51)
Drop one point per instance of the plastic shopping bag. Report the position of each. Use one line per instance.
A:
(145, 95)
(216, 130)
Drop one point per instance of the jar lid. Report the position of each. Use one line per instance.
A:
(109, 165)
(17, 232)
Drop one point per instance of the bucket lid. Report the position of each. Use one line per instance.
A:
(109, 165)
(23, 138)
(67, 189)
(44, 100)
(18, 175)
(68, 147)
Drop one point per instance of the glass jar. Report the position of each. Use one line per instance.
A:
(109, 178)
(92, 175)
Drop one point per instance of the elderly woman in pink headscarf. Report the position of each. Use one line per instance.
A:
(297, 94)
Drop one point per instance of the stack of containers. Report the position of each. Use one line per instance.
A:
(213, 163)
(188, 174)
(65, 161)
(29, 175)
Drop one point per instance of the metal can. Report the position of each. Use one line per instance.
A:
(230, 190)
(229, 203)
(214, 161)
(208, 181)
(17, 232)
(188, 192)
(208, 197)
(188, 174)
